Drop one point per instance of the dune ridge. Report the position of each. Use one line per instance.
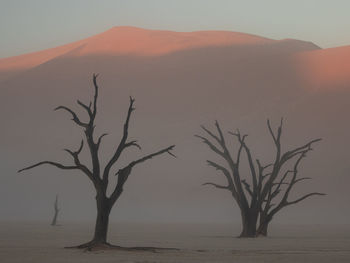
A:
(132, 40)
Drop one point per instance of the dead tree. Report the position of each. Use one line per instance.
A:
(267, 190)
(56, 209)
(99, 176)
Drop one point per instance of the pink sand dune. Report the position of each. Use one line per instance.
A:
(325, 67)
(131, 40)
(315, 66)
(33, 59)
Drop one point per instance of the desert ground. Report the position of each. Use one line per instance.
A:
(39, 242)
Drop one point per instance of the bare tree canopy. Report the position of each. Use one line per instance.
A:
(267, 191)
(98, 175)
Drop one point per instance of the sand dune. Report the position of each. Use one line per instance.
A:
(30, 60)
(136, 41)
(325, 68)
(241, 85)
(131, 40)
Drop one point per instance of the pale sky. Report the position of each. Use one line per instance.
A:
(32, 25)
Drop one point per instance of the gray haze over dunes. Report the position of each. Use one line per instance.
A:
(239, 80)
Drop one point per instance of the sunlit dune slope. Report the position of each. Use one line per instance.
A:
(325, 67)
(136, 41)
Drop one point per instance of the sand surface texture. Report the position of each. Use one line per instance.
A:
(39, 242)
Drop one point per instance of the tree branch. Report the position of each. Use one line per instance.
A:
(226, 174)
(74, 116)
(218, 186)
(58, 165)
(241, 141)
(211, 133)
(122, 143)
(222, 138)
(303, 198)
(271, 131)
(304, 148)
(275, 137)
(80, 166)
(124, 173)
(211, 146)
(76, 153)
(95, 96)
(132, 143)
(87, 108)
(247, 187)
(100, 139)
(302, 179)
(280, 183)
(252, 192)
(150, 156)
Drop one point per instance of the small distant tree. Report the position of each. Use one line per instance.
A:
(97, 175)
(56, 209)
(265, 191)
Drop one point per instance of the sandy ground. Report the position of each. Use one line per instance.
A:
(39, 242)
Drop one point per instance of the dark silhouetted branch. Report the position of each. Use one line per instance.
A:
(122, 143)
(99, 140)
(87, 108)
(247, 187)
(211, 145)
(124, 173)
(218, 186)
(150, 156)
(133, 143)
(95, 95)
(303, 198)
(58, 165)
(74, 116)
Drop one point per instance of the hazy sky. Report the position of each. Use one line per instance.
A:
(27, 26)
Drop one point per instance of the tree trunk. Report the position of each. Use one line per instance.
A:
(249, 220)
(54, 220)
(264, 225)
(102, 220)
(262, 230)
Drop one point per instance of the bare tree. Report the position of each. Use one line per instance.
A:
(100, 177)
(268, 188)
(56, 209)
